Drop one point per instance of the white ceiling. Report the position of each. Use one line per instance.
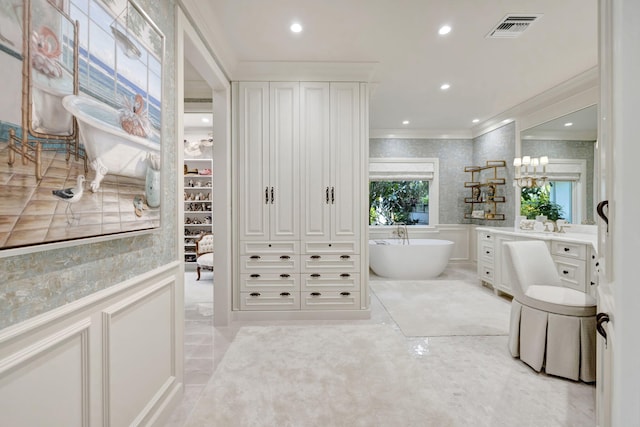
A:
(398, 42)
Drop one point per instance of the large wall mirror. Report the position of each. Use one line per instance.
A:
(564, 150)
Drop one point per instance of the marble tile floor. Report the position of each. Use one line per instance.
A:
(478, 382)
(29, 213)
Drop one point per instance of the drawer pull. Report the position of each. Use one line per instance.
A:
(344, 257)
(344, 275)
(255, 294)
(593, 283)
(254, 276)
(284, 276)
(567, 249)
(315, 294)
(345, 294)
(487, 272)
(565, 272)
(315, 275)
(285, 257)
(488, 252)
(285, 294)
(254, 257)
(315, 256)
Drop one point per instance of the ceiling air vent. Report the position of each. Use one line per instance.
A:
(512, 26)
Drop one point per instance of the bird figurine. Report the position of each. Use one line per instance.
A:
(70, 195)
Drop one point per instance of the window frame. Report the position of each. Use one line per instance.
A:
(409, 169)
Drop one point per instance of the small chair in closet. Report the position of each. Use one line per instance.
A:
(204, 253)
(552, 327)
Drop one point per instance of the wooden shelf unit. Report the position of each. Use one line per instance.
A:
(479, 197)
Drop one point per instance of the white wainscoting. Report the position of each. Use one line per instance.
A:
(113, 358)
(461, 235)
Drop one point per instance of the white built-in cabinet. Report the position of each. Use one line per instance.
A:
(300, 151)
(268, 166)
(330, 143)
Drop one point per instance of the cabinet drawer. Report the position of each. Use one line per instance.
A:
(269, 282)
(330, 300)
(571, 250)
(572, 273)
(266, 248)
(485, 273)
(486, 236)
(269, 264)
(330, 281)
(486, 251)
(338, 248)
(266, 300)
(330, 263)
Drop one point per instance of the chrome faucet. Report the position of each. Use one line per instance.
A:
(401, 232)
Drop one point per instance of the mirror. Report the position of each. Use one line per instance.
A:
(569, 142)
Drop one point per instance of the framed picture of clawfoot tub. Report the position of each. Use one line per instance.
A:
(80, 121)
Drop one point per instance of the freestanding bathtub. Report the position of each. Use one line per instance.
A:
(109, 148)
(420, 259)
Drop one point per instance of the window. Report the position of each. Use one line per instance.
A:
(566, 192)
(394, 202)
(561, 193)
(403, 190)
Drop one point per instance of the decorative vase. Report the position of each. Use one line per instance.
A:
(152, 187)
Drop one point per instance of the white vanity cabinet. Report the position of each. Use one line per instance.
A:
(575, 259)
(486, 256)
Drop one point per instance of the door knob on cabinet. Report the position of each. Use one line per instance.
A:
(326, 196)
(266, 196)
(333, 195)
(272, 196)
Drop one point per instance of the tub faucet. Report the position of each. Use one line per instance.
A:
(401, 232)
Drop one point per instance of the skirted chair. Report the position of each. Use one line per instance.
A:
(204, 253)
(552, 327)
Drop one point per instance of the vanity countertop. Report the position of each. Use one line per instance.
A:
(568, 236)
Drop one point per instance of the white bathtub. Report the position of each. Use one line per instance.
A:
(109, 148)
(420, 259)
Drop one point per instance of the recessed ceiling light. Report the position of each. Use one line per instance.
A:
(445, 29)
(445, 86)
(205, 120)
(295, 27)
(405, 122)
(475, 120)
(568, 124)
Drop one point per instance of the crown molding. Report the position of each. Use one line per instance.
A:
(420, 134)
(304, 71)
(567, 97)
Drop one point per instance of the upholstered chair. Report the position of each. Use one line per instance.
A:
(204, 253)
(552, 327)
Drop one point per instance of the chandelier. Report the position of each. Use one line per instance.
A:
(530, 172)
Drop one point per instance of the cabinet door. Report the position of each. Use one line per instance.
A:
(253, 152)
(284, 161)
(345, 161)
(315, 161)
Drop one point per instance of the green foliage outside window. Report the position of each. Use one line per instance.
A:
(536, 201)
(393, 202)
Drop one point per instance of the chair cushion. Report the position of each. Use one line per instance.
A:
(560, 300)
(205, 260)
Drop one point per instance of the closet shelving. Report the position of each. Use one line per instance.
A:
(198, 217)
